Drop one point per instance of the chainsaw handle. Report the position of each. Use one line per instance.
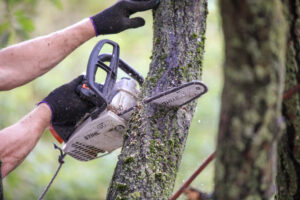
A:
(93, 64)
(125, 67)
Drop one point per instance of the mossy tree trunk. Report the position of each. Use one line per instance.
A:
(288, 178)
(255, 40)
(156, 136)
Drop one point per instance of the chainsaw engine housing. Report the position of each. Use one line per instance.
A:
(104, 133)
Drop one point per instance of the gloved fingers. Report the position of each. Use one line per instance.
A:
(136, 22)
(137, 6)
(75, 82)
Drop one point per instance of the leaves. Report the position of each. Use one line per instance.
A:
(4, 34)
(25, 22)
(16, 19)
(4, 38)
(57, 3)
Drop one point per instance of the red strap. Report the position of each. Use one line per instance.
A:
(85, 86)
(55, 134)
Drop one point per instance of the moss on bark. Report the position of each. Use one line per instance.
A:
(255, 40)
(156, 136)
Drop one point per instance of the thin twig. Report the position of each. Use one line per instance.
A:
(288, 94)
(194, 175)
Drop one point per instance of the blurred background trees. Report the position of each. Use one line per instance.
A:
(250, 122)
(78, 180)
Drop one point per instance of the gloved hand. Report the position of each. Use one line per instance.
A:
(67, 108)
(116, 18)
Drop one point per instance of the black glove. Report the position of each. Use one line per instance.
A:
(116, 18)
(67, 108)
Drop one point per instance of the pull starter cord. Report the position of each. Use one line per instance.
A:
(61, 162)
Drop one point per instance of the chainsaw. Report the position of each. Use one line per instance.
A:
(101, 131)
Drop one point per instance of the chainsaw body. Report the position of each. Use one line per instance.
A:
(101, 131)
(104, 133)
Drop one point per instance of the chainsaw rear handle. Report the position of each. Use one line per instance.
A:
(125, 67)
(94, 63)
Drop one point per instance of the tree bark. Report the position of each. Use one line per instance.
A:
(156, 136)
(255, 39)
(288, 178)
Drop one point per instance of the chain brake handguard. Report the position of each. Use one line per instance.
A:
(89, 89)
(99, 94)
(124, 66)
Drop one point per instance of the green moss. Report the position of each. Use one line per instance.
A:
(181, 72)
(128, 160)
(135, 195)
(122, 187)
(194, 36)
(163, 57)
(159, 176)
(156, 134)
(184, 69)
(152, 80)
(157, 41)
(171, 144)
(200, 50)
(119, 197)
(152, 147)
(143, 175)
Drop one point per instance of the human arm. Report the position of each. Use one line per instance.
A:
(28, 60)
(21, 63)
(62, 108)
(18, 140)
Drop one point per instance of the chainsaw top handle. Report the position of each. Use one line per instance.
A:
(125, 67)
(94, 63)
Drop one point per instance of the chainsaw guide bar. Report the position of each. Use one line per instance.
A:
(179, 96)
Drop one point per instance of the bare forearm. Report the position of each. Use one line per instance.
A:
(26, 61)
(18, 140)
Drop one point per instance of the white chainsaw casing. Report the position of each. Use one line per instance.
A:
(125, 98)
(105, 133)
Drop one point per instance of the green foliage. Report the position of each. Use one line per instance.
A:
(4, 34)
(25, 22)
(16, 19)
(57, 3)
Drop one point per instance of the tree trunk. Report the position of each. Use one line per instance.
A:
(156, 136)
(254, 34)
(288, 178)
